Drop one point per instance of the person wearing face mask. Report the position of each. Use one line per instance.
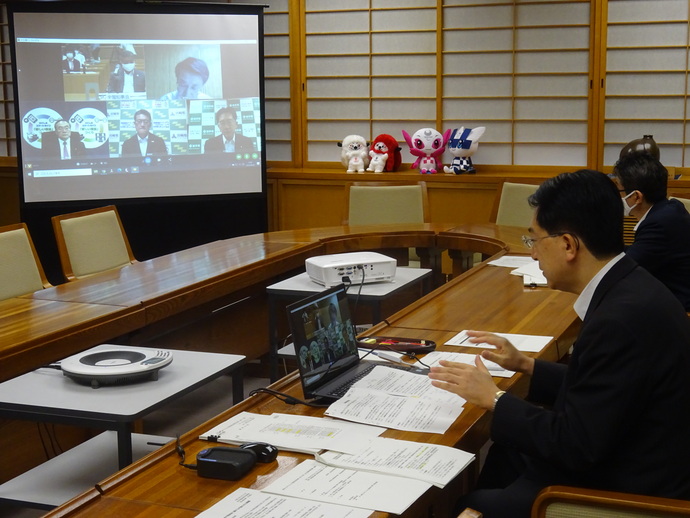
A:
(126, 78)
(662, 232)
(70, 64)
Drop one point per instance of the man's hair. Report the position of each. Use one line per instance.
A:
(127, 56)
(640, 171)
(61, 120)
(143, 112)
(193, 65)
(227, 109)
(584, 203)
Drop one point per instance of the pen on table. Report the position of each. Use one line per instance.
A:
(467, 337)
(387, 356)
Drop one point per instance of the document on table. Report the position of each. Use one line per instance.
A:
(400, 400)
(302, 434)
(531, 274)
(512, 261)
(312, 480)
(250, 503)
(433, 463)
(433, 358)
(524, 343)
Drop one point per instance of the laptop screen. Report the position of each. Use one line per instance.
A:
(324, 337)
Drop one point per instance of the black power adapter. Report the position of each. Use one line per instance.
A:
(225, 463)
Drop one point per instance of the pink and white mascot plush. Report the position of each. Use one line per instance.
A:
(462, 145)
(427, 144)
(354, 154)
(384, 154)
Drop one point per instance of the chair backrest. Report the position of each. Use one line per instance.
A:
(511, 207)
(91, 241)
(571, 502)
(20, 268)
(373, 203)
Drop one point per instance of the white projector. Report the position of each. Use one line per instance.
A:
(358, 267)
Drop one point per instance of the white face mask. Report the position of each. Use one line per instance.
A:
(626, 208)
(128, 67)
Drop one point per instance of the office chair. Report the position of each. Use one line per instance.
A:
(375, 203)
(380, 203)
(572, 502)
(91, 241)
(511, 207)
(20, 268)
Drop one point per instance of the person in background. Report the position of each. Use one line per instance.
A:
(614, 417)
(191, 75)
(69, 63)
(63, 143)
(662, 232)
(144, 143)
(229, 141)
(126, 78)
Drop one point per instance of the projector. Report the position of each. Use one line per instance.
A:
(358, 267)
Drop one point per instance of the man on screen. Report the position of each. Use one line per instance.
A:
(229, 141)
(144, 143)
(126, 78)
(63, 143)
(191, 75)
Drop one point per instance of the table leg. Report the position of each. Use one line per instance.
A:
(124, 445)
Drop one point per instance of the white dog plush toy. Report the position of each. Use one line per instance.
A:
(462, 145)
(355, 153)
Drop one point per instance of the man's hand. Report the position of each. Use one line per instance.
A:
(505, 354)
(472, 383)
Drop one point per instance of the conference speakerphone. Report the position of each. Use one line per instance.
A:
(357, 267)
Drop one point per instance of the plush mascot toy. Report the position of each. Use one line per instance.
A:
(462, 145)
(427, 144)
(354, 154)
(385, 154)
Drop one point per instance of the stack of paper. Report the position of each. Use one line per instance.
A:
(302, 434)
(495, 369)
(524, 343)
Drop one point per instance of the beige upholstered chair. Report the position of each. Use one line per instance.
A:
(380, 203)
(511, 207)
(571, 502)
(373, 203)
(91, 241)
(20, 268)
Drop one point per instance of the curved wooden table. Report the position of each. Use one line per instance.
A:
(484, 297)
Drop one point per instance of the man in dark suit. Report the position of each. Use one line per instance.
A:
(662, 234)
(62, 143)
(229, 141)
(126, 78)
(144, 143)
(615, 417)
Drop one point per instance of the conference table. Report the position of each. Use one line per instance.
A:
(479, 297)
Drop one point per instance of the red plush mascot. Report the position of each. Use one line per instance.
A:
(385, 154)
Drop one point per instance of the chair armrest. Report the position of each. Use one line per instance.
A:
(608, 503)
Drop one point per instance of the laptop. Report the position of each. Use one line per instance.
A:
(325, 344)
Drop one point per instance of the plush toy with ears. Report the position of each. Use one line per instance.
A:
(354, 154)
(427, 144)
(462, 145)
(385, 154)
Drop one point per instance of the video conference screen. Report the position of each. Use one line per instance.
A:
(118, 105)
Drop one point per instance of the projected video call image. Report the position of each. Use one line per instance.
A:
(140, 116)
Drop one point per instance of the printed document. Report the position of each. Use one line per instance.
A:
(302, 434)
(432, 463)
(312, 480)
(512, 261)
(397, 399)
(433, 358)
(524, 343)
(249, 503)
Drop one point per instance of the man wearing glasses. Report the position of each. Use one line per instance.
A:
(144, 143)
(615, 417)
